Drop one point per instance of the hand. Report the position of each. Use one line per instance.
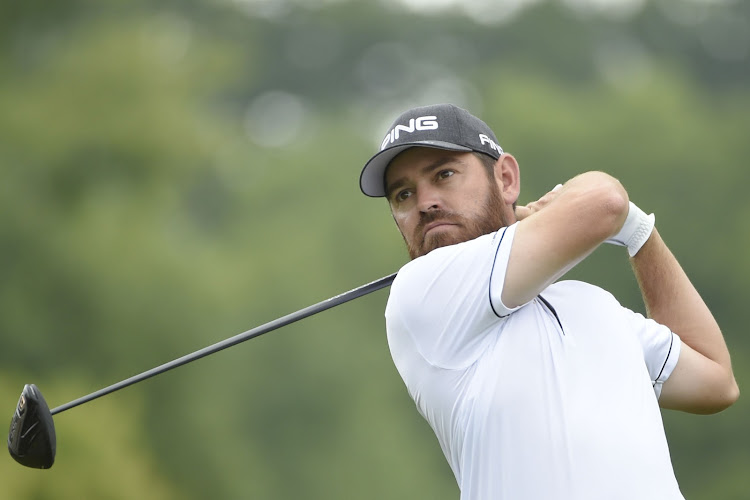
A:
(523, 211)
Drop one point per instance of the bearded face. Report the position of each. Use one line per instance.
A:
(439, 228)
(440, 198)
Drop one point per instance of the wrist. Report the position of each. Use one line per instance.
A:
(635, 231)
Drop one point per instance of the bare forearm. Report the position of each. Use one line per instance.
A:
(672, 300)
(561, 229)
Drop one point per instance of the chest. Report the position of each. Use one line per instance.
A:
(569, 359)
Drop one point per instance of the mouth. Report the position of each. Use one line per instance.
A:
(436, 225)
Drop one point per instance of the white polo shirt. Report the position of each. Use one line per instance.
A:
(555, 399)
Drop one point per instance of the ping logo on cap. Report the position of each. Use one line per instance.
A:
(483, 139)
(421, 123)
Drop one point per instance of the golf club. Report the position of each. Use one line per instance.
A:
(32, 440)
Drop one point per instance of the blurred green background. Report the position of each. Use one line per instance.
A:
(174, 173)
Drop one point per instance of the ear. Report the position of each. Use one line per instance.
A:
(508, 178)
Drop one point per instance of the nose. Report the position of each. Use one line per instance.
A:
(428, 199)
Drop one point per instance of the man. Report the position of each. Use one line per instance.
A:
(536, 389)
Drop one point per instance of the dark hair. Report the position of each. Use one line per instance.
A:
(489, 167)
(488, 162)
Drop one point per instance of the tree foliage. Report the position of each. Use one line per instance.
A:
(172, 174)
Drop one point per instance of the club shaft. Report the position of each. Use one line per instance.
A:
(231, 341)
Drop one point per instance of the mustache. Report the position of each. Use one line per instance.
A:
(436, 215)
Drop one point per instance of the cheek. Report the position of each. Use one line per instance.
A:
(404, 222)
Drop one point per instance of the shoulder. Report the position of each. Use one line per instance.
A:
(439, 308)
(445, 261)
(445, 292)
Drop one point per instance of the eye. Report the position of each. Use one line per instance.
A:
(444, 174)
(402, 195)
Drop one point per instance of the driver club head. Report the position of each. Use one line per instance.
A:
(31, 439)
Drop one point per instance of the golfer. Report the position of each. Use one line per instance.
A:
(536, 388)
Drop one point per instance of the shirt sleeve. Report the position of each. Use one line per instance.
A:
(448, 301)
(499, 270)
(661, 347)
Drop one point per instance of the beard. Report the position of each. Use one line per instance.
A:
(491, 218)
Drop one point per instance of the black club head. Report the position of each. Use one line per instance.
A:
(31, 439)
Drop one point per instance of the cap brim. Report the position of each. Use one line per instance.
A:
(371, 180)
